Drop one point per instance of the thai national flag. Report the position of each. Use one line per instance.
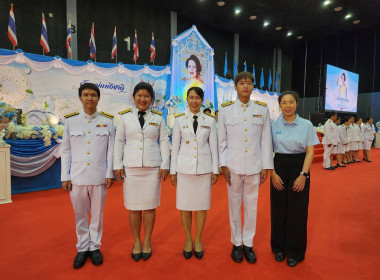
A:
(68, 39)
(92, 43)
(44, 42)
(12, 27)
(135, 48)
(152, 49)
(114, 45)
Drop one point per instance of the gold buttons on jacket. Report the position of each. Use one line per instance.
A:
(88, 142)
(195, 148)
(89, 131)
(88, 163)
(245, 130)
(244, 110)
(89, 121)
(245, 140)
(245, 120)
(140, 149)
(187, 141)
(88, 153)
(195, 156)
(195, 139)
(245, 150)
(140, 140)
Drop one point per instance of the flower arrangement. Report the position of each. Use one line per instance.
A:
(7, 113)
(43, 132)
(173, 103)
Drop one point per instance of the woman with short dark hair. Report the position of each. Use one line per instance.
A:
(141, 157)
(294, 139)
(194, 167)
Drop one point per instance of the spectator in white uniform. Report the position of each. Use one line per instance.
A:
(343, 144)
(329, 140)
(354, 138)
(245, 155)
(360, 131)
(87, 158)
(194, 167)
(369, 135)
(142, 159)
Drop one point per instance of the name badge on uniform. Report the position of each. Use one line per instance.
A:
(152, 123)
(205, 126)
(187, 141)
(101, 125)
(257, 116)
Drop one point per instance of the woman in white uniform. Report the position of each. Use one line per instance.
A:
(369, 135)
(353, 136)
(141, 157)
(359, 130)
(194, 167)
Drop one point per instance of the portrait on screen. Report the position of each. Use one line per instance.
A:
(341, 90)
(192, 72)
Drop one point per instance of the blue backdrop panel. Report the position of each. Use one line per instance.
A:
(49, 179)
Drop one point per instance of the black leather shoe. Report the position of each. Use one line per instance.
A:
(80, 259)
(187, 254)
(330, 168)
(199, 255)
(237, 254)
(146, 256)
(136, 256)
(249, 254)
(291, 262)
(341, 165)
(279, 257)
(96, 257)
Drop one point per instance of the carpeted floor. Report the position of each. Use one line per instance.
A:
(38, 238)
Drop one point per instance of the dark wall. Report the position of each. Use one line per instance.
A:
(353, 51)
(144, 16)
(29, 23)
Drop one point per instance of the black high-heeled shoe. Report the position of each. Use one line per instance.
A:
(341, 165)
(146, 256)
(136, 257)
(199, 255)
(187, 254)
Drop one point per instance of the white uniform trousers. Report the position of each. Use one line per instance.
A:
(87, 199)
(244, 187)
(326, 155)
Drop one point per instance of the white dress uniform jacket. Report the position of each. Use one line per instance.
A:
(330, 133)
(87, 149)
(194, 153)
(141, 147)
(240, 148)
(343, 134)
(369, 131)
(355, 132)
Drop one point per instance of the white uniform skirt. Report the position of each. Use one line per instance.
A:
(367, 144)
(193, 192)
(343, 148)
(360, 145)
(353, 146)
(142, 188)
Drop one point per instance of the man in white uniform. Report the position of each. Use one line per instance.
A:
(330, 139)
(87, 170)
(245, 154)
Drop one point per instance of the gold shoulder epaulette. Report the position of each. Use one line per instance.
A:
(261, 103)
(157, 112)
(210, 115)
(104, 114)
(125, 111)
(176, 116)
(71, 115)
(227, 103)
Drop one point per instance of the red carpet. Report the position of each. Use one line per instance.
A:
(38, 235)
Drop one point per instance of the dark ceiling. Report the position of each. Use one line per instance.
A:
(307, 18)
